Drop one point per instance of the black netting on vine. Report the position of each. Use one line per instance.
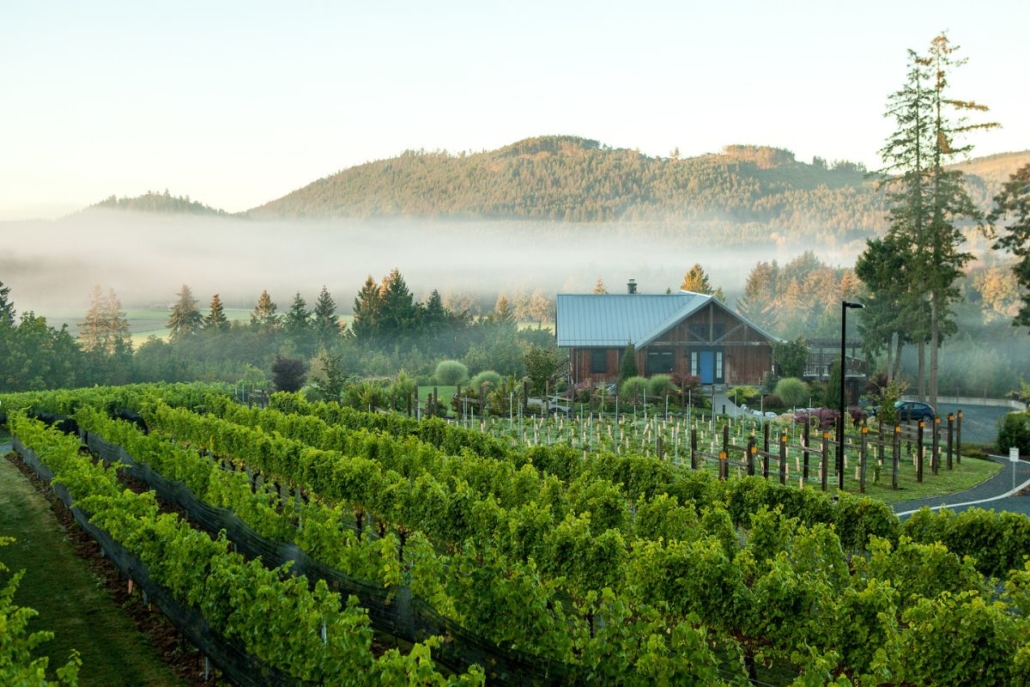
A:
(237, 665)
(394, 611)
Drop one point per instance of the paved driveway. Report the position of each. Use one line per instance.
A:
(999, 493)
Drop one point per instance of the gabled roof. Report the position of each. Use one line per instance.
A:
(614, 320)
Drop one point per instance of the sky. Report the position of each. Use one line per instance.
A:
(235, 104)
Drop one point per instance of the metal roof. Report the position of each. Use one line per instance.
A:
(614, 320)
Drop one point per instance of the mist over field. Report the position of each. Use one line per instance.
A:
(52, 266)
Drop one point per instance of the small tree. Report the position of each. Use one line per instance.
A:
(831, 396)
(288, 373)
(791, 357)
(542, 364)
(628, 364)
(328, 374)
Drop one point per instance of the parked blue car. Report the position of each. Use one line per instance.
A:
(915, 411)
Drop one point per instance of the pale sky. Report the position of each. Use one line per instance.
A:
(239, 103)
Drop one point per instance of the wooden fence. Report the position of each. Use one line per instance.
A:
(923, 442)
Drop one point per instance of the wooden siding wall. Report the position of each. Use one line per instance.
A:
(741, 364)
(747, 353)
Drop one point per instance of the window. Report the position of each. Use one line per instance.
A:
(659, 362)
(718, 365)
(598, 361)
(693, 364)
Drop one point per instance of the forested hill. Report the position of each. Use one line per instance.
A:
(152, 201)
(580, 180)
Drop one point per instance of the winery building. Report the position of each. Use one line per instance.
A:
(679, 334)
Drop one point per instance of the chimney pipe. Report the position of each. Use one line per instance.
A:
(631, 286)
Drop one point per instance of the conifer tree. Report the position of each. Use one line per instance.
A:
(118, 325)
(696, 280)
(264, 318)
(599, 287)
(503, 312)
(216, 322)
(325, 320)
(297, 321)
(1013, 203)
(398, 316)
(367, 308)
(628, 364)
(926, 198)
(6, 306)
(104, 327)
(93, 328)
(184, 319)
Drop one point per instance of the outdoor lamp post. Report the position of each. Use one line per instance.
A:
(844, 305)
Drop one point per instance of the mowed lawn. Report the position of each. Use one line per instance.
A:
(72, 602)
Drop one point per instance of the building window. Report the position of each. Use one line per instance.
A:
(598, 361)
(693, 364)
(659, 362)
(718, 365)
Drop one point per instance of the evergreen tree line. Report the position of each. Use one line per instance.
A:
(390, 331)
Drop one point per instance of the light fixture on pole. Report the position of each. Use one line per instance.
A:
(844, 305)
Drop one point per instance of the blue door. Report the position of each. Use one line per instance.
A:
(706, 366)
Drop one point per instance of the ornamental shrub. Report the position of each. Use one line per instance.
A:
(451, 373)
(793, 391)
(1014, 430)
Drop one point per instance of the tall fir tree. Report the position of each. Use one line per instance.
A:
(1012, 204)
(398, 315)
(296, 322)
(325, 320)
(263, 318)
(93, 328)
(927, 200)
(215, 322)
(6, 305)
(367, 312)
(184, 320)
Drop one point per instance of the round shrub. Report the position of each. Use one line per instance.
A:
(660, 385)
(633, 388)
(488, 377)
(773, 402)
(450, 373)
(793, 391)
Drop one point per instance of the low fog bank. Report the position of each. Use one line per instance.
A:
(53, 266)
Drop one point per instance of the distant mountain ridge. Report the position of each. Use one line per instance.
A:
(152, 201)
(741, 193)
